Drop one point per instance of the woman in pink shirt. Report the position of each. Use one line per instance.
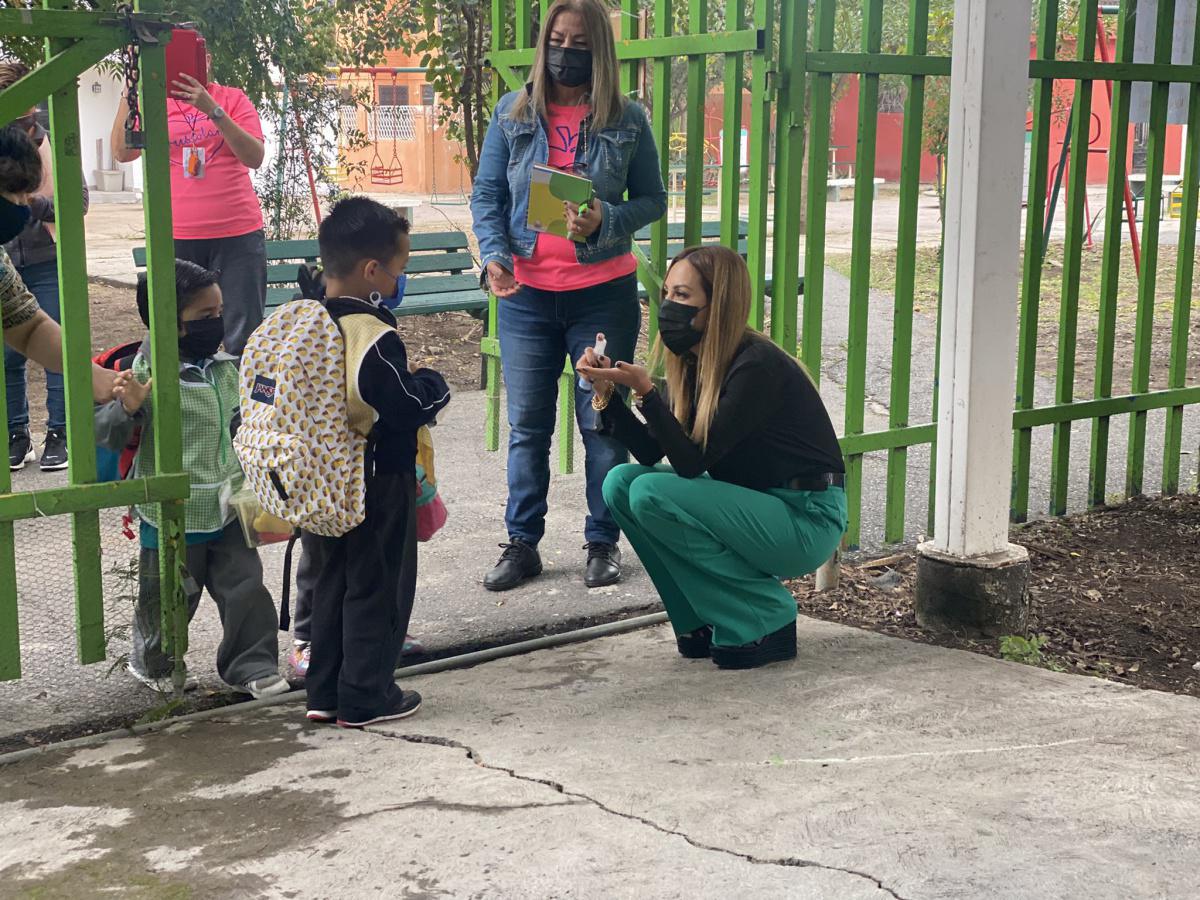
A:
(557, 293)
(216, 139)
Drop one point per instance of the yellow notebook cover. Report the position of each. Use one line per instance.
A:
(548, 188)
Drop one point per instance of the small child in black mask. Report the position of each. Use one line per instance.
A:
(218, 557)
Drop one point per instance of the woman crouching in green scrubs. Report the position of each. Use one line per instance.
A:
(754, 490)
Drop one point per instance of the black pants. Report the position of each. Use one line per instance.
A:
(363, 598)
(242, 264)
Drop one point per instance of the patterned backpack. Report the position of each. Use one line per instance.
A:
(303, 438)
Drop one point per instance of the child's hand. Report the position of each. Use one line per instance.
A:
(131, 392)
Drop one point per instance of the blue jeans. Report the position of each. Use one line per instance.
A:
(538, 331)
(42, 280)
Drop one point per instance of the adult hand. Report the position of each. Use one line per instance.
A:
(592, 360)
(588, 222)
(634, 377)
(189, 90)
(103, 381)
(501, 280)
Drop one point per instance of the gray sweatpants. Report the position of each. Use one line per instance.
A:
(241, 263)
(233, 575)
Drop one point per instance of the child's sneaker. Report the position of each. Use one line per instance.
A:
(411, 645)
(321, 716)
(403, 705)
(162, 685)
(268, 686)
(298, 660)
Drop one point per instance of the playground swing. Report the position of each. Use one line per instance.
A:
(393, 172)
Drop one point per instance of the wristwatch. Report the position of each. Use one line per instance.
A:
(217, 114)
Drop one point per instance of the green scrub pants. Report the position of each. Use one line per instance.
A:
(716, 552)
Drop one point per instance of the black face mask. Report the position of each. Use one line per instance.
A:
(569, 66)
(675, 327)
(13, 219)
(202, 338)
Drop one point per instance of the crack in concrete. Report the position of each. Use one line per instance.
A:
(483, 809)
(785, 862)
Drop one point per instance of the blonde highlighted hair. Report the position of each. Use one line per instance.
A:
(604, 94)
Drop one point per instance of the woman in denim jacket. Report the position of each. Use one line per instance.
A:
(556, 295)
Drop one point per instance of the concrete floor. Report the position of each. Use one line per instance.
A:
(868, 768)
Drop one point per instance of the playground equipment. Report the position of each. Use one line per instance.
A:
(393, 172)
(74, 42)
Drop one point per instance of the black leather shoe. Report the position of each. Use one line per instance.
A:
(603, 564)
(775, 647)
(695, 644)
(518, 563)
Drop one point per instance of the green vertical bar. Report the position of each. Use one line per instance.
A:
(759, 175)
(731, 126)
(629, 23)
(860, 261)
(697, 95)
(906, 270)
(10, 631)
(789, 168)
(1031, 281)
(661, 123)
(1068, 315)
(522, 24)
(77, 352)
(1110, 267)
(1152, 219)
(1184, 280)
(491, 423)
(164, 342)
(566, 425)
(821, 118)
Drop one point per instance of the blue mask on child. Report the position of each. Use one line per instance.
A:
(397, 298)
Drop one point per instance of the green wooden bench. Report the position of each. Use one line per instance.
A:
(439, 273)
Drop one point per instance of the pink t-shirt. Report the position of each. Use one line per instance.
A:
(211, 192)
(553, 266)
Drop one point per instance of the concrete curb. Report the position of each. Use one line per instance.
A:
(428, 668)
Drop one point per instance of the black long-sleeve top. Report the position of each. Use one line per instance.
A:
(770, 425)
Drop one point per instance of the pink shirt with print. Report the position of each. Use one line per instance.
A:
(553, 266)
(220, 202)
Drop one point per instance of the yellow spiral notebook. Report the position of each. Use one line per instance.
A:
(548, 189)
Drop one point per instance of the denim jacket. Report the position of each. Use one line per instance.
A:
(620, 157)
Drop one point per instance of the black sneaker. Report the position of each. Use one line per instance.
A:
(695, 644)
(603, 564)
(775, 647)
(402, 705)
(20, 448)
(54, 451)
(518, 563)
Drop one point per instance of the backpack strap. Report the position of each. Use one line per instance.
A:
(285, 610)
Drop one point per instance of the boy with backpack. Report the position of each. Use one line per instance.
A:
(330, 413)
(217, 556)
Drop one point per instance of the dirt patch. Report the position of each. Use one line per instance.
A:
(1116, 594)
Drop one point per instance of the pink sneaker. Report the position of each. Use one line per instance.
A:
(298, 661)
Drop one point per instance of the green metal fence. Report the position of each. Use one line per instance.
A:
(793, 61)
(75, 41)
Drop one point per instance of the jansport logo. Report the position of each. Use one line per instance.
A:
(264, 390)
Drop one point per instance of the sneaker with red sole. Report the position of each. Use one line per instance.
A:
(401, 706)
(321, 716)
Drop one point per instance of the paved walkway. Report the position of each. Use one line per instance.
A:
(868, 768)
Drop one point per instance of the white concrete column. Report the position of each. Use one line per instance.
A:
(988, 98)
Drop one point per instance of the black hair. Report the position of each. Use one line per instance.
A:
(20, 163)
(358, 229)
(190, 279)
